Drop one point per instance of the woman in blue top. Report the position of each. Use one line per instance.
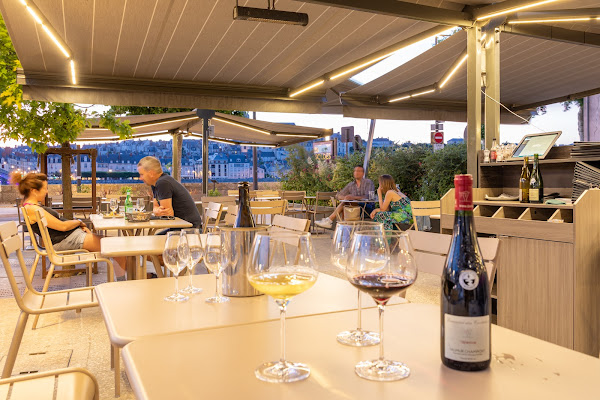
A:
(394, 205)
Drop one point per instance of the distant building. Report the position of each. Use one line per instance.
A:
(238, 167)
(382, 143)
(455, 141)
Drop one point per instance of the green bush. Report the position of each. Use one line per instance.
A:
(306, 172)
(214, 192)
(439, 169)
(124, 189)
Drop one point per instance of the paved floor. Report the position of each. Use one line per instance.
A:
(80, 340)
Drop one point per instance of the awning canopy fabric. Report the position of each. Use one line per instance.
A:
(193, 54)
(229, 128)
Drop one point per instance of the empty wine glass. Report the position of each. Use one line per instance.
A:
(216, 243)
(282, 265)
(340, 249)
(140, 204)
(176, 256)
(196, 250)
(114, 205)
(373, 269)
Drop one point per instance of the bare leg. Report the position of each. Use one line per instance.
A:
(339, 210)
(92, 243)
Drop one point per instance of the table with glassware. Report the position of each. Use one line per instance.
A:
(101, 223)
(219, 363)
(362, 203)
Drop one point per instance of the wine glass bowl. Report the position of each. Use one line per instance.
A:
(340, 250)
(176, 255)
(218, 254)
(381, 266)
(140, 204)
(114, 205)
(282, 266)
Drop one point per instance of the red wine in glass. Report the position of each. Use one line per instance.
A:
(381, 286)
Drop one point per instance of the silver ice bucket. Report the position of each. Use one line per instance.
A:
(235, 275)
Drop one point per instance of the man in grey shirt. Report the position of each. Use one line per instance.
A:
(170, 197)
(358, 189)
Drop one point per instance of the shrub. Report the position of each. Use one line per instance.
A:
(439, 169)
(214, 192)
(124, 189)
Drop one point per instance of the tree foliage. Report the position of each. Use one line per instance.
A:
(306, 172)
(134, 110)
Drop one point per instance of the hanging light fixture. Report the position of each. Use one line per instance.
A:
(269, 14)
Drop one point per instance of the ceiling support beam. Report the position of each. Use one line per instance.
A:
(574, 96)
(402, 9)
(473, 101)
(492, 89)
(554, 14)
(553, 33)
(507, 7)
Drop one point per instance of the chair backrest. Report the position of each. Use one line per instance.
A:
(267, 207)
(43, 226)
(430, 251)
(424, 208)
(292, 195)
(233, 193)
(230, 217)
(266, 193)
(285, 223)
(11, 243)
(324, 196)
(27, 220)
(212, 211)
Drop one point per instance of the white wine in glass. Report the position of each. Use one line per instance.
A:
(282, 265)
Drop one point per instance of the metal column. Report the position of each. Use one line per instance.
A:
(206, 115)
(177, 145)
(492, 89)
(473, 101)
(254, 163)
(369, 146)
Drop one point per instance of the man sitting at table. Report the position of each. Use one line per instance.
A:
(170, 197)
(358, 189)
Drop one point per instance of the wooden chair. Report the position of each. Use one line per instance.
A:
(267, 207)
(295, 201)
(212, 212)
(316, 209)
(32, 301)
(425, 209)
(21, 221)
(227, 202)
(266, 193)
(430, 251)
(230, 217)
(284, 223)
(40, 252)
(69, 383)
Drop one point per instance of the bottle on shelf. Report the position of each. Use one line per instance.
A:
(494, 151)
(128, 202)
(465, 303)
(524, 182)
(244, 217)
(536, 184)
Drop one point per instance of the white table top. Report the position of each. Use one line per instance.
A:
(132, 245)
(148, 314)
(220, 363)
(101, 223)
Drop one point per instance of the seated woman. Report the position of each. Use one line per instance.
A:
(395, 205)
(65, 234)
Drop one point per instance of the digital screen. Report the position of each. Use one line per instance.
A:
(323, 149)
(538, 144)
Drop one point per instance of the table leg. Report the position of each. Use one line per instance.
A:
(144, 267)
(116, 362)
(157, 268)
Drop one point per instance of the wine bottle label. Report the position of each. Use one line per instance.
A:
(468, 279)
(467, 339)
(534, 194)
(463, 193)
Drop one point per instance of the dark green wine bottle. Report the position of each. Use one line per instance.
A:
(244, 217)
(536, 184)
(524, 182)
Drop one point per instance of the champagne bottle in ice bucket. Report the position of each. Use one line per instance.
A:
(241, 236)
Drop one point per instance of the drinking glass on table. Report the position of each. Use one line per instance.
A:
(196, 251)
(340, 250)
(282, 265)
(215, 253)
(373, 269)
(114, 205)
(176, 256)
(140, 204)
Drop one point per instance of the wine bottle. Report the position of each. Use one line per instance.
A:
(524, 182)
(536, 184)
(244, 217)
(465, 302)
(494, 151)
(128, 202)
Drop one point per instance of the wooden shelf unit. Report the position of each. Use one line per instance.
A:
(548, 276)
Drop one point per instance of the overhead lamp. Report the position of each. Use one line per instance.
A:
(453, 71)
(408, 96)
(73, 76)
(257, 145)
(241, 125)
(297, 135)
(297, 92)
(535, 21)
(269, 14)
(221, 141)
(514, 9)
(163, 122)
(38, 17)
(422, 93)
(399, 99)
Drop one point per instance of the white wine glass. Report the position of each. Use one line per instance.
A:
(373, 269)
(114, 205)
(196, 251)
(340, 250)
(282, 265)
(140, 204)
(213, 259)
(176, 256)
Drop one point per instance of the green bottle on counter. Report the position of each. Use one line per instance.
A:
(536, 184)
(128, 202)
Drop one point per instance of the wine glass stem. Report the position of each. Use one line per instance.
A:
(191, 269)
(176, 284)
(282, 308)
(359, 322)
(217, 291)
(381, 308)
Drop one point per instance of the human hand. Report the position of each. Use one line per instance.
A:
(373, 213)
(86, 229)
(159, 211)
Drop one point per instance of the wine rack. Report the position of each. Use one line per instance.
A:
(548, 272)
